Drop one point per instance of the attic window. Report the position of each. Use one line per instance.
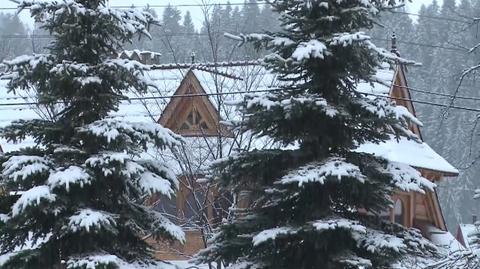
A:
(194, 121)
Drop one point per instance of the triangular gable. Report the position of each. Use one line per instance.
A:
(191, 116)
(400, 93)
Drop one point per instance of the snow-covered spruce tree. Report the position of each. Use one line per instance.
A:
(316, 202)
(80, 190)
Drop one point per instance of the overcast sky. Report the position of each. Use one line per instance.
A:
(196, 11)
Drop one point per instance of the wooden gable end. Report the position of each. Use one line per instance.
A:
(192, 115)
(422, 210)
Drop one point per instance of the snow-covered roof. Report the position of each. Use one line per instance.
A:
(467, 232)
(443, 239)
(408, 151)
(151, 54)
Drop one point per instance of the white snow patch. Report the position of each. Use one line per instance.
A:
(340, 223)
(376, 241)
(443, 239)
(104, 159)
(271, 234)
(347, 39)
(112, 129)
(71, 175)
(88, 219)
(32, 197)
(409, 152)
(5, 257)
(21, 167)
(319, 172)
(4, 218)
(311, 49)
(152, 183)
(93, 262)
(174, 230)
(408, 179)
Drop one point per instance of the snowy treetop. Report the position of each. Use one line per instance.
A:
(129, 21)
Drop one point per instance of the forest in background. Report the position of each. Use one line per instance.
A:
(439, 38)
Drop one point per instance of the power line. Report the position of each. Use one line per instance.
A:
(156, 97)
(432, 17)
(424, 102)
(259, 91)
(422, 44)
(438, 94)
(205, 34)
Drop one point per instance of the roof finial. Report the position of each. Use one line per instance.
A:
(192, 55)
(394, 44)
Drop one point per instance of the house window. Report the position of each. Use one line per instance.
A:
(399, 212)
(194, 121)
(194, 204)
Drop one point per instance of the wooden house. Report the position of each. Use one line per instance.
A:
(191, 99)
(194, 113)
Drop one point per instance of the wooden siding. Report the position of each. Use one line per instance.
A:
(176, 251)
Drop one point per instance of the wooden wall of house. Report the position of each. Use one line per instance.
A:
(164, 250)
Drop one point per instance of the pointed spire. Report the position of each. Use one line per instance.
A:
(192, 55)
(394, 44)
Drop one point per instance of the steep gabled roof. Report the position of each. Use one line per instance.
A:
(393, 84)
(191, 116)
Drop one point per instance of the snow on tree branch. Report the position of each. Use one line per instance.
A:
(91, 221)
(270, 101)
(160, 222)
(311, 49)
(93, 261)
(73, 175)
(152, 183)
(346, 39)
(408, 179)
(377, 242)
(332, 168)
(271, 234)
(114, 131)
(351, 260)
(32, 197)
(21, 167)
